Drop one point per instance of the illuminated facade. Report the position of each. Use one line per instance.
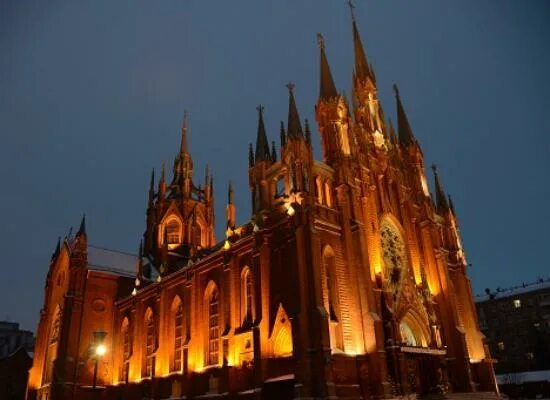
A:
(349, 281)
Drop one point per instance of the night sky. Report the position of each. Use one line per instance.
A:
(92, 97)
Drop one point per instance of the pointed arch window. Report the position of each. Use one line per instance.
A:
(173, 231)
(126, 349)
(213, 327)
(319, 189)
(51, 351)
(150, 344)
(328, 194)
(331, 297)
(178, 336)
(247, 295)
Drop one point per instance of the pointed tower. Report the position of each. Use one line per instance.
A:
(230, 214)
(405, 133)
(367, 109)
(181, 222)
(183, 165)
(332, 114)
(262, 146)
(294, 126)
(259, 162)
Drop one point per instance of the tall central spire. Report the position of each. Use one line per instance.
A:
(294, 126)
(327, 88)
(362, 70)
(183, 148)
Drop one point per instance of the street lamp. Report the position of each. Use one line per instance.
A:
(98, 351)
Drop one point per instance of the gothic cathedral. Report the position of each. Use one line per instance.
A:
(349, 280)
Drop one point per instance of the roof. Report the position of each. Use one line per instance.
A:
(116, 262)
(522, 377)
(514, 291)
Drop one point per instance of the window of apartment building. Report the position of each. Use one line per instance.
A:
(517, 303)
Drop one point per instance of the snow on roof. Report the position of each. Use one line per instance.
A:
(522, 377)
(514, 291)
(119, 263)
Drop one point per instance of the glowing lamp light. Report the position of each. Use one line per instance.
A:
(134, 292)
(226, 245)
(290, 211)
(256, 228)
(159, 278)
(138, 282)
(100, 350)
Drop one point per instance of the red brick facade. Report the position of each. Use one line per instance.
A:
(349, 281)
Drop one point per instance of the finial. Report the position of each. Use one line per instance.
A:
(260, 109)
(290, 86)
(321, 41)
(230, 193)
(434, 168)
(273, 151)
(351, 7)
(163, 171)
(184, 123)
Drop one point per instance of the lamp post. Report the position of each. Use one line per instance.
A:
(98, 350)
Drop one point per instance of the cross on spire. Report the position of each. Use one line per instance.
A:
(351, 7)
(290, 86)
(321, 41)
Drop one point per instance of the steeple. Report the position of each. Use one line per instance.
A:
(230, 208)
(308, 131)
(273, 151)
(152, 188)
(327, 89)
(294, 125)
(440, 197)
(362, 70)
(57, 249)
(162, 182)
(283, 134)
(262, 146)
(250, 156)
(451, 205)
(82, 229)
(406, 137)
(183, 147)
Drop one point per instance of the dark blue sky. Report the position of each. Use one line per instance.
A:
(92, 96)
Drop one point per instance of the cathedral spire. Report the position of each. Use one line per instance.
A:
(327, 89)
(294, 125)
(440, 197)
(308, 131)
(250, 156)
(362, 70)
(183, 147)
(451, 205)
(262, 146)
(57, 249)
(82, 229)
(282, 134)
(273, 151)
(152, 188)
(406, 137)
